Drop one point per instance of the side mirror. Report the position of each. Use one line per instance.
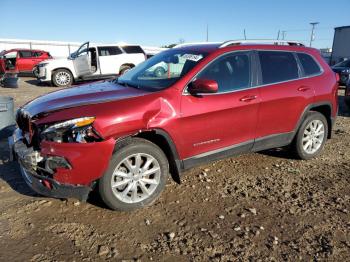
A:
(203, 86)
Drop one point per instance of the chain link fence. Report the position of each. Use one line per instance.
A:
(56, 49)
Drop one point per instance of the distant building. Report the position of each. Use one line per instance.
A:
(341, 45)
(326, 53)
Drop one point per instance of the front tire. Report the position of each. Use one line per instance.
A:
(311, 136)
(136, 176)
(62, 78)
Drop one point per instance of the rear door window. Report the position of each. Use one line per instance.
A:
(25, 54)
(109, 50)
(309, 65)
(133, 49)
(278, 66)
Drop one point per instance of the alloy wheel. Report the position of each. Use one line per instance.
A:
(135, 178)
(62, 78)
(313, 136)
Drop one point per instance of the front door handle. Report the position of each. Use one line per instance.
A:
(303, 88)
(248, 98)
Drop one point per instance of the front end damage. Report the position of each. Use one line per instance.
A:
(56, 168)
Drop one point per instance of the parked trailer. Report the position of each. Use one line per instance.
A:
(341, 45)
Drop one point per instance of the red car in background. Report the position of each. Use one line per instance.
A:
(21, 60)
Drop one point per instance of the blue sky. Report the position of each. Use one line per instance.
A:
(164, 22)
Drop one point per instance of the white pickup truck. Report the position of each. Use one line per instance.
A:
(90, 62)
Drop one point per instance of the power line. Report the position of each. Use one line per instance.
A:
(307, 30)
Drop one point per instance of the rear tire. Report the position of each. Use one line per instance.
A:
(136, 176)
(62, 78)
(311, 136)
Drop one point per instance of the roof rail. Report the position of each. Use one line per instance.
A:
(196, 43)
(261, 41)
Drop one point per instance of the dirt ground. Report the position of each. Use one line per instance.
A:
(256, 207)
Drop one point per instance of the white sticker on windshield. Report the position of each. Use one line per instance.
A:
(192, 57)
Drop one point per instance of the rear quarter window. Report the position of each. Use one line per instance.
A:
(37, 54)
(278, 66)
(133, 49)
(109, 50)
(308, 64)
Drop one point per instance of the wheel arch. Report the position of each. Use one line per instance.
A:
(325, 108)
(162, 139)
(131, 65)
(65, 68)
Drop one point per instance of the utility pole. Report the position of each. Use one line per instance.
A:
(245, 36)
(312, 38)
(278, 35)
(283, 35)
(207, 33)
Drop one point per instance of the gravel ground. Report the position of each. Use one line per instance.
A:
(264, 206)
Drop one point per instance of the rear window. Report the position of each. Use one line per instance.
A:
(309, 65)
(278, 66)
(133, 49)
(25, 54)
(108, 50)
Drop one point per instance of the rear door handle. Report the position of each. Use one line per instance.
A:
(248, 98)
(303, 88)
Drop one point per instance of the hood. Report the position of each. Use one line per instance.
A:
(81, 95)
(56, 62)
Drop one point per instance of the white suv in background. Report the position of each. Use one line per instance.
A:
(90, 62)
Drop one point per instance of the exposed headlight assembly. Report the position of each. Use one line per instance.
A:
(42, 64)
(78, 130)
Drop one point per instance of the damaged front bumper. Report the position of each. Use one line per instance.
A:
(81, 165)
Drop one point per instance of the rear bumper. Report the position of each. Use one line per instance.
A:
(85, 163)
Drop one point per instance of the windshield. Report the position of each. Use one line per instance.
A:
(161, 70)
(345, 63)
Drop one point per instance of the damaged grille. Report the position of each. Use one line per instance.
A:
(23, 120)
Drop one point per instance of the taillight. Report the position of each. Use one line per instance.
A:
(337, 76)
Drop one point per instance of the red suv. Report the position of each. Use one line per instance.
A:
(214, 101)
(21, 60)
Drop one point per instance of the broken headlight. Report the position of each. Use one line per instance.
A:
(77, 130)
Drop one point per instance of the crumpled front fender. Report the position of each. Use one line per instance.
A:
(89, 161)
